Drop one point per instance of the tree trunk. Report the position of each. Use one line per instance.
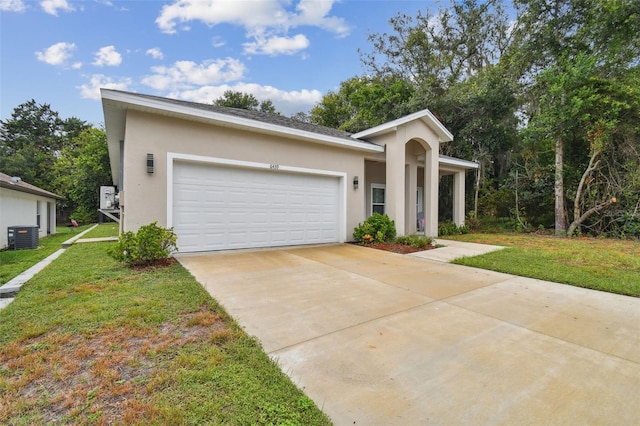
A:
(477, 193)
(593, 165)
(586, 215)
(561, 221)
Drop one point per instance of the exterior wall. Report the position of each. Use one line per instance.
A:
(144, 196)
(375, 173)
(20, 209)
(401, 177)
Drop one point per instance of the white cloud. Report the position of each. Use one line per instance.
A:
(287, 102)
(56, 54)
(277, 45)
(217, 41)
(264, 21)
(12, 6)
(98, 81)
(107, 56)
(314, 13)
(155, 53)
(186, 74)
(76, 65)
(53, 6)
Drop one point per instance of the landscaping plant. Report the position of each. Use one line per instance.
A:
(149, 245)
(378, 228)
(415, 241)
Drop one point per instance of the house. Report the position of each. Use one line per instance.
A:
(226, 178)
(22, 204)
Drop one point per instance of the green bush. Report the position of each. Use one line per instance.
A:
(378, 228)
(415, 241)
(149, 245)
(450, 228)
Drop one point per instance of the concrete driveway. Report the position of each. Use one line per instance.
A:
(377, 338)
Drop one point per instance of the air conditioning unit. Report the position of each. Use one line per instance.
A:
(23, 237)
(108, 198)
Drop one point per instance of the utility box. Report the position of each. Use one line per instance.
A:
(23, 237)
(108, 198)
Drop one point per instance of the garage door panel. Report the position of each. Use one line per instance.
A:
(218, 207)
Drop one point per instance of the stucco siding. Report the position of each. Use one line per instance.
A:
(145, 195)
(20, 209)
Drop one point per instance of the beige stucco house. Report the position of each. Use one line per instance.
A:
(23, 204)
(226, 178)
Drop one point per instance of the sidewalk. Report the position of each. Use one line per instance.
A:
(11, 287)
(454, 250)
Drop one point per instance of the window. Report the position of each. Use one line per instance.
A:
(38, 211)
(377, 198)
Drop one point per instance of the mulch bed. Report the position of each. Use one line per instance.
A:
(397, 248)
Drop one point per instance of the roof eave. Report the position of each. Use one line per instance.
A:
(41, 193)
(124, 101)
(457, 163)
(425, 115)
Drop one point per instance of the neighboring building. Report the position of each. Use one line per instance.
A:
(227, 178)
(22, 204)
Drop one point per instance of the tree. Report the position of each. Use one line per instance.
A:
(435, 52)
(82, 167)
(362, 103)
(566, 53)
(31, 140)
(246, 101)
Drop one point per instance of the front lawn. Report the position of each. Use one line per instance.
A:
(89, 341)
(597, 263)
(15, 262)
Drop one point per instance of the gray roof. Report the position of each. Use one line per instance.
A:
(264, 117)
(17, 184)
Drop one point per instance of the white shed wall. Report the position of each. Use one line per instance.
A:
(21, 209)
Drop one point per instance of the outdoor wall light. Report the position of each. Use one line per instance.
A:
(149, 163)
(355, 182)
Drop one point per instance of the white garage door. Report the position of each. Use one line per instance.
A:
(218, 207)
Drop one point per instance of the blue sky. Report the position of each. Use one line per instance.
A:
(293, 52)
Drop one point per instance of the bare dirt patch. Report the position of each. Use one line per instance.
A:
(105, 376)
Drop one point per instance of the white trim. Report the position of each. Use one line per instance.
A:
(172, 156)
(457, 162)
(160, 106)
(425, 115)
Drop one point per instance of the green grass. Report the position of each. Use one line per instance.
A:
(109, 229)
(597, 263)
(15, 262)
(90, 341)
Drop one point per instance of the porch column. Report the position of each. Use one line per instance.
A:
(411, 185)
(458, 198)
(394, 193)
(431, 180)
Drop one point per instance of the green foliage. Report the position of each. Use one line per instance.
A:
(362, 103)
(415, 241)
(450, 228)
(378, 228)
(241, 100)
(81, 169)
(31, 140)
(150, 244)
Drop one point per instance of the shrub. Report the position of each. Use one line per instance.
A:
(416, 241)
(149, 245)
(450, 228)
(378, 228)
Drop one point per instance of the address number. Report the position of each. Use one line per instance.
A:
(274, 166)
